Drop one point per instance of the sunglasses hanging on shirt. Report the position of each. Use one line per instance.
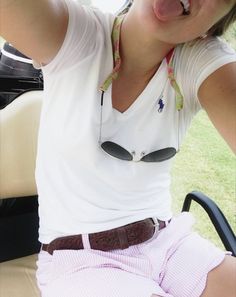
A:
(115, 150)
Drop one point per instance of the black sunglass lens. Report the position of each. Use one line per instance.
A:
(160, 155)
(116, 151)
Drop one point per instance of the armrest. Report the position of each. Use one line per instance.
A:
(216, 216)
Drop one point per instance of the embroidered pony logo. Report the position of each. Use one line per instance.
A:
(161, 104)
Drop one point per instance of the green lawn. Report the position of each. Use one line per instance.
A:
(230, 35)
(205, 163)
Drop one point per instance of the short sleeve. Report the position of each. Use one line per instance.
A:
(195, 61)
(80, 38)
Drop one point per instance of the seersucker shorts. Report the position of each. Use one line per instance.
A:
(174, 263)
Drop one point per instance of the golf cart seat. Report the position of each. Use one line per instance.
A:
(18, 199)
(18, 196)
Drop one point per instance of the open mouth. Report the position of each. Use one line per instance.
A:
(186, 6)
(167, 10)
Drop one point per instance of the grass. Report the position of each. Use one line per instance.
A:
(205, 163)
(230, 35)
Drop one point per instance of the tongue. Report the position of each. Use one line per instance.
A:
(165, 10)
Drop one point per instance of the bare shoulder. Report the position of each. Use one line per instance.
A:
(217, 96)
(220, 83)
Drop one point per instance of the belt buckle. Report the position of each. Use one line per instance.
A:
(156, 223)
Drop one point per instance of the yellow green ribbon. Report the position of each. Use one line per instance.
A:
(179, 100)
(116, 50)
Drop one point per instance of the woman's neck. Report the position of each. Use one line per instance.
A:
(141, 54)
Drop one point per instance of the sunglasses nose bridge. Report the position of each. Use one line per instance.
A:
(135, 156)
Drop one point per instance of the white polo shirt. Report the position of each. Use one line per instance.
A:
(82, 189)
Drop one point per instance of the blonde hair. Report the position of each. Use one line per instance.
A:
(222, 25)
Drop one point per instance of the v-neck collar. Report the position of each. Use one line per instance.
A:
(147, 95)
(116, 32)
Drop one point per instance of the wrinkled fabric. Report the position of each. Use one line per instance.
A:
(175, 262)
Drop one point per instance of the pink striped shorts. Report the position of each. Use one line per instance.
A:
(175, 262)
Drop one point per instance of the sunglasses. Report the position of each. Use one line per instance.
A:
(115, 150)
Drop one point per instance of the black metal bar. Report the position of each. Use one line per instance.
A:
(216, 216)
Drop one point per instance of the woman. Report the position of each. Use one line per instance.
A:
(115, 112)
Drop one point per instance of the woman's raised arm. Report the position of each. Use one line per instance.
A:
(218, 97)
(36, 28)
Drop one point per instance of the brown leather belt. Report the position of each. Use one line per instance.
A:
(118, 238)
